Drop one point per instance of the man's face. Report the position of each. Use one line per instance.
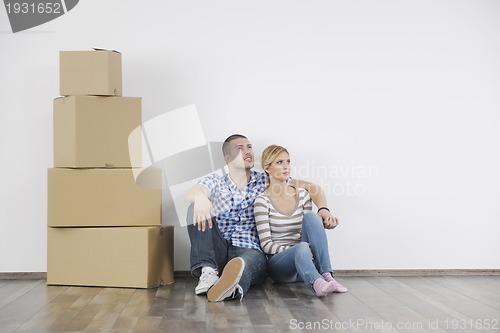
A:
(240, 154)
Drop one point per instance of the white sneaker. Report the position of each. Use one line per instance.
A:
(227, 287)
(207, 280)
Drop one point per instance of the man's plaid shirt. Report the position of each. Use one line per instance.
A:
(234, 208)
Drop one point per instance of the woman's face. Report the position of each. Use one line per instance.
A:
(279, 169)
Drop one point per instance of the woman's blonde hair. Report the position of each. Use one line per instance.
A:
(269, 155)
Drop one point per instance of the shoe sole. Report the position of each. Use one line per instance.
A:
(229, 279)
(201, 291)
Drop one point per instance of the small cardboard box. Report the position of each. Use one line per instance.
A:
(104, 197)
(140, 257)
(97, 72)
(91, 131)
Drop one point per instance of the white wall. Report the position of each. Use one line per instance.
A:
(395, 100)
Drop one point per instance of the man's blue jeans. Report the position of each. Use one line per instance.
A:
(209, 248)
(306, 260)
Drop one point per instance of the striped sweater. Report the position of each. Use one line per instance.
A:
(279, 231)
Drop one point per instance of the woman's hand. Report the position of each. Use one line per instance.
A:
(202, 213)
(329, 221)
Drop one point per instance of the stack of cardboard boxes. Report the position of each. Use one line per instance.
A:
(103, 228)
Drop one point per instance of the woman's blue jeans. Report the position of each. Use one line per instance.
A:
(305, 261)
(209, 248)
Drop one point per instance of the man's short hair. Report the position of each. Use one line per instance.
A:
(226, 146)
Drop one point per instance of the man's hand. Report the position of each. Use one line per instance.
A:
(202, 208)
(202, 213)
(329, 221)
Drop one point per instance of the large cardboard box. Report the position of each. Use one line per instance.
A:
(97, 72)
(91, 131)
(103, 197)
(139, 257)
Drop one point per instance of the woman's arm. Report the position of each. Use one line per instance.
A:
(319, 199)
(316, 192)
(261, 212)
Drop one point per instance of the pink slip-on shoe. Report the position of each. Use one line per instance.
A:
(338, 287)
(322, 288)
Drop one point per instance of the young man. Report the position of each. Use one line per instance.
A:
(221, 224)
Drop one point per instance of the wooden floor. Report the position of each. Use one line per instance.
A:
(373, 304)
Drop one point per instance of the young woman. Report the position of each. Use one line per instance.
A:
(290, 234)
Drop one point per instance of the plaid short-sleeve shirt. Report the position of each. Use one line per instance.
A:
(234, 208)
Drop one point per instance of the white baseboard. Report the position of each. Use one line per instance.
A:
(23, 276)
(417, 272)
(339, 273)
(398, 272)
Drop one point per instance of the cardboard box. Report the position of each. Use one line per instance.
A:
(91, 131)
(140, 257)
(97, 72)
(103, 197)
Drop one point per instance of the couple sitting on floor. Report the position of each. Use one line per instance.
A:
(238, 220)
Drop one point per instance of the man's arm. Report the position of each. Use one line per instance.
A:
(319, 199)
(202, 210)
(198, 190)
